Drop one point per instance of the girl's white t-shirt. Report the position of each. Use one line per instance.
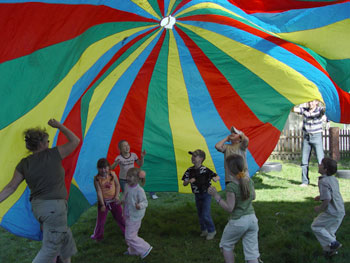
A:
(125, 164)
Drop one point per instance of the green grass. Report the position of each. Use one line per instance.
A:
(284, 210)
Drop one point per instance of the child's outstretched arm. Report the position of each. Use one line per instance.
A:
(228, 204)
(115, 164)
(142, 159)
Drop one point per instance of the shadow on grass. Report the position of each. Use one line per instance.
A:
(278, 178)
(258, 183)
(310, 199)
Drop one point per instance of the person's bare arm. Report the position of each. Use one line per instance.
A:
(117, 186)
(115, 164)
(11, 187)
(216, 178)
(228, 204)
(142, 159)
(220, 146)
(244, 142)
(73, 140)
(190, 181)
(100, 199)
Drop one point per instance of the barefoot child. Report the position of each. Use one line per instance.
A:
(107, 189)
(242, 221)
(326, 224)
(135, 203)
(200, 178)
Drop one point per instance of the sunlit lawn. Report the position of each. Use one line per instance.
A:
(284, 210)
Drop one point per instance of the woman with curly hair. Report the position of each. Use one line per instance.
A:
(45, 176)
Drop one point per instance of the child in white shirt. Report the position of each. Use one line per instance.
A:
(135, 203)
(326, 224)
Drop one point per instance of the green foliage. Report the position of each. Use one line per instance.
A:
(284, 210)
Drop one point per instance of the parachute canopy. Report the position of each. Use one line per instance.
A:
(167, 76)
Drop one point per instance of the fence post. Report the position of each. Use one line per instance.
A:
(334, 143)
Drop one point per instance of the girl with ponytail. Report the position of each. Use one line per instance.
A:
(242, 220)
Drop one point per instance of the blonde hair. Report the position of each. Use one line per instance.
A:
(135, 173)
(33, 137)
(236, 165)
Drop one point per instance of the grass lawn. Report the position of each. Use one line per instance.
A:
(284, 210)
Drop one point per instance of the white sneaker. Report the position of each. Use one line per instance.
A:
(154, 197)
(147, 252)
(204, 233)
(211, 235)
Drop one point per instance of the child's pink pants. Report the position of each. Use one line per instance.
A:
(136, 245)
(117, 213)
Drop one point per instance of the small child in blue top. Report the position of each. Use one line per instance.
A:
(200, 178)
(326, 224)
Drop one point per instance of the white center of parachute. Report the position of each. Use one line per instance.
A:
(168, 22)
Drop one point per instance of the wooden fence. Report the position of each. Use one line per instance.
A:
(290, 143)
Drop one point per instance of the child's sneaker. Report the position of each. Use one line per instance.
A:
(211, 235)
(146, 253)
(335, 245)
(204, 233)
(154, 196)
(332, 249)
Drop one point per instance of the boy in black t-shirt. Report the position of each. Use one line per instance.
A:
(200, 178)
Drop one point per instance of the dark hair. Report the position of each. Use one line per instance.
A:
(33, 137)
(120, 143)
(236, 165)
(330, 165)
(101, 163)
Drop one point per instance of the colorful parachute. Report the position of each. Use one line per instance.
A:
(168, 76)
